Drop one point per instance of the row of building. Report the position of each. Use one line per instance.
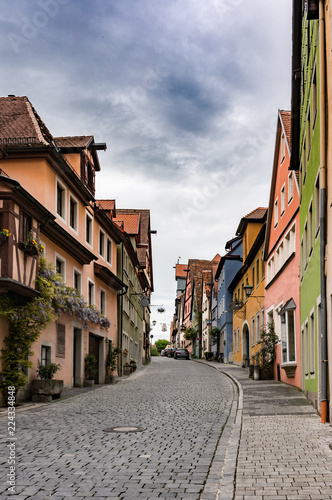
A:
(48, 210)
(277, 270)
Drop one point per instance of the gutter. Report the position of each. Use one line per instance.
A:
(323, 213)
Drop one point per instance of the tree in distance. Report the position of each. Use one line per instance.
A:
(161, 344)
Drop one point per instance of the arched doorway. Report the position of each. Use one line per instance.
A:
(245, 345)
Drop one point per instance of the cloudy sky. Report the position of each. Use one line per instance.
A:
(184, 92)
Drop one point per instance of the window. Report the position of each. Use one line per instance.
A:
(304, 163)
(45, 355)
(257, 328)
(306, 349)
(60, 200)
(276, 213)
(283, 200)
(257, 272)
(305, 245)
(78, 281)
(88, 229)
(290, 243)
(238, 339)
(263, 266)
(282, 155)
(317, 206)
(61, 341)
(91, 293)
(252, 331)
(302, 260)
(312, 344)
(290, 187)
(60, 267)
(103, 301)
(109, 251)
(26, 226)
(262, 318)
(270, 269)
(288, 336)
(310, 230)
(101, 243)
(308, 130)
(73, 213)
(314, 98)
(253, 276)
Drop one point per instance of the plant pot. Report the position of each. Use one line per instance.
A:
(251, 371)
(29, 250)
(88, 383)
(267, 372)
(43, 391)
(127, 370)
(257, 372)
(109, 379)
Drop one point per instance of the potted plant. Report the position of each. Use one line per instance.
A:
(127, 369)
(266, 355)
(111, 361)
(46, 389)
(208, 355)
(30, 246)
(90, 370)
(133, 364)
(4, 234)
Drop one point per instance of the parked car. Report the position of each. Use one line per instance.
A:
(163, 352)
(166, 351)
(171, 352)
(181, 354)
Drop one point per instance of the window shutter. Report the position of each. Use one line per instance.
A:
(61, 340)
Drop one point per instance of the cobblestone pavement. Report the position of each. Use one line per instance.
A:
(63, 452)
(284, 450)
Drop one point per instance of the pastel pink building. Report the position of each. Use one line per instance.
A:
(282, 256)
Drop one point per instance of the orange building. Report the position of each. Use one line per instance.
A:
(248, 308)
(47, 193)
(282, 255)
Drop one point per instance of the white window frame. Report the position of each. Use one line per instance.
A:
(283, 200)
(93, 298)
(109, 244)
(102, 251)
(64, 200)
(90, 217)
(79, 273)
(76, 225)
(102, 301)
(290, 194)
(275, 213)
(58, 257)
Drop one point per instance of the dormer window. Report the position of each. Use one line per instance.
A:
(88, 173)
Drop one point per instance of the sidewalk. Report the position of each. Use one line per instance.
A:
(277, 449)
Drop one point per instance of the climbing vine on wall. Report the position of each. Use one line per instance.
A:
(27, 321)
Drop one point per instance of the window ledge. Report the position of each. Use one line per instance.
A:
(290, 369)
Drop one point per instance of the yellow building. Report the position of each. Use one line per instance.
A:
(248, 288)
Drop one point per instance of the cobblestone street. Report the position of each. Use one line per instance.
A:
(63, 451)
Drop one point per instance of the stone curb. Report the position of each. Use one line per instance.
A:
(26, 406)
(220, 483)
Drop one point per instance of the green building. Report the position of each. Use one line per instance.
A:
(306, 160)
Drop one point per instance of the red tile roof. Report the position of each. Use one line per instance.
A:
(181, 270)
(258, 213)
(20, 124)
(129, 222)
(286, 120)
(79, 141)
(106, 204)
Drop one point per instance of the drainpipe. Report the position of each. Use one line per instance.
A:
(323, 209)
